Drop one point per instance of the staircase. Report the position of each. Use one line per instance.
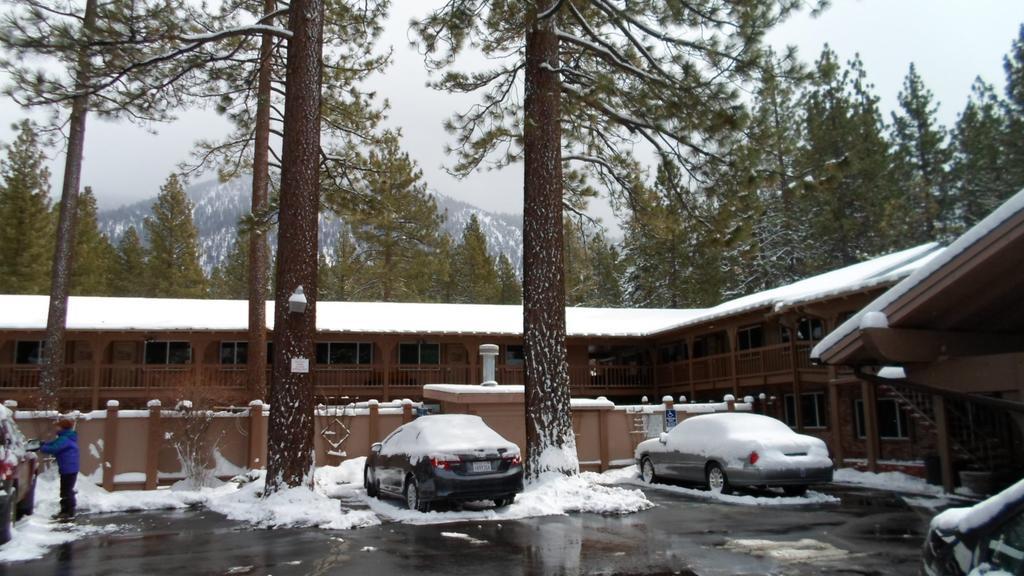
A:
(984, 437)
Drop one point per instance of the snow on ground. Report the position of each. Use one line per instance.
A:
(891, 481)
(554, 494)
(629, 475)
(803, 550)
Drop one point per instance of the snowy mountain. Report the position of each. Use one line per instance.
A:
(217, 208)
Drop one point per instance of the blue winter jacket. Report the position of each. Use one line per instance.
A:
(65, 448)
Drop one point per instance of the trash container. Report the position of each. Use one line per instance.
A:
(933, 469)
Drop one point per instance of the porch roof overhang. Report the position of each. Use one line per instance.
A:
(966, 302)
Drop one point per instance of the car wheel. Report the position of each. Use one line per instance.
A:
(795, 490)
(28, 504)
(372, 488)
(647, 471)
(504, 501)
(716, 480)
(412, 497)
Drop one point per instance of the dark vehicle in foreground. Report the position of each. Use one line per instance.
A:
(733, 449)
(18, 471)
(444, 458)
(987, 538)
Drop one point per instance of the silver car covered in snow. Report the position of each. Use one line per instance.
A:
(730, 449)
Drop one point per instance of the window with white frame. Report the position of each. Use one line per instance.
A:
(419, 353)
(344, 353)
(813, 409)
(892, 420)
(806, 329)
(168, 352)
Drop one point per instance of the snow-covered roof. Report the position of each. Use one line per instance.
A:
(868, 316)
(857, 277)
(88, 313)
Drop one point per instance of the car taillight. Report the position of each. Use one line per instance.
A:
(513, 459)
(6, 470)
(754, 457)
(443, 463)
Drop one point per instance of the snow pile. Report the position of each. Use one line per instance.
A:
(290, 508)
(32, 536)
(891, 481)
(803, 550)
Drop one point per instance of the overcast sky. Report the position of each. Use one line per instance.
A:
(951, 41)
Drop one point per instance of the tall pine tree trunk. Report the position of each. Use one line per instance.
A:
(550, 444)
(63, 253)
(257, 237)
(290, 449)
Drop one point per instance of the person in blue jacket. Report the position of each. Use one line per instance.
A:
(65, 448)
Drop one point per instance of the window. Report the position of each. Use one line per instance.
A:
(813, 409)
(29, 352)
(673, 352)
(1006, 547)
(419, 353)
(161, 352)
(234, 352)
(750, 337)
(344, 353)
(892, 421)
(806, 329)
(710, 345)
(514, 355)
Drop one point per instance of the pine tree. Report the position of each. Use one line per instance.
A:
(91, 275)
(394, 222)
(922, 211)
(230, 279)
(130, 267)
(979, 171)
(475, 280)
(846, 160)
(510, 291)
(26, 238)
(173, 262)
(1013, 138)
(437, 283)
(342, 280)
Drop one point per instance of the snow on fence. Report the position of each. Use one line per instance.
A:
(145, 449)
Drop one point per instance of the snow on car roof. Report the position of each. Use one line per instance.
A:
(734, 424)
(964, 520)
(441, 434)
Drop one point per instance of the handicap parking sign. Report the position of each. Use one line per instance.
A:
(670, 419)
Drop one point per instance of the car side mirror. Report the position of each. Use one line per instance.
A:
(663, 438)
(32, 445)
(375, 447)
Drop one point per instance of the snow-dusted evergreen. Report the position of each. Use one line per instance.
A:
(217, 208)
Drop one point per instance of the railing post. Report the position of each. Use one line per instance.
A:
(944, 446)
(110, 434)
(12, 405)
(602, 435)
(730, 403)
(406, 411)
(374, 424)
(153, 444)
(870, 424)
(257, 435)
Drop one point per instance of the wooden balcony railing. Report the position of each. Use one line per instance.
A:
(374, 378)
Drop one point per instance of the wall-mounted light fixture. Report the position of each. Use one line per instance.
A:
(297, 301)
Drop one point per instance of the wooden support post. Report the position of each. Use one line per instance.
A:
(602, 437)
(388, 351)
(108, 462)
(794, 361)
(154, 439)
(833, 416)
(406, 411)
(945, 446)
(870, 424)
(689, 368)
(96, 374)
(257, 436)
(733, 347)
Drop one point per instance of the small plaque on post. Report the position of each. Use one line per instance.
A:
(300, 365)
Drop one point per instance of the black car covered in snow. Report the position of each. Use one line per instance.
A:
(444, 458)
(987, 538)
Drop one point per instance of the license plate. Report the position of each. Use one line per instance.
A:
(484, 466)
